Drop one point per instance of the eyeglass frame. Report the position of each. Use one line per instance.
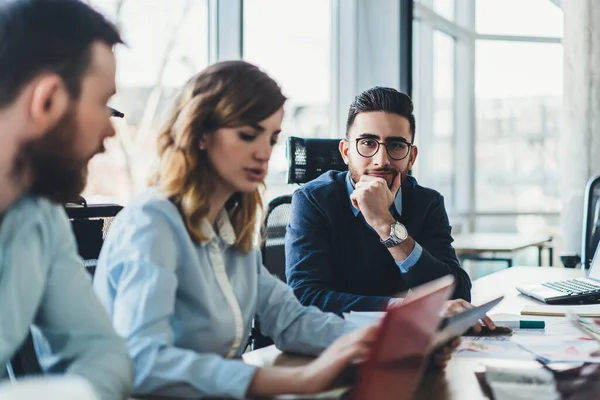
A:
(115, 113)
(385, 144)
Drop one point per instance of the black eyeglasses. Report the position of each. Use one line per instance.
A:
(396, 149)
(115, 113)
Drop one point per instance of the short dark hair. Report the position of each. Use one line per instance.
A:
(55, 36)
(382, 99)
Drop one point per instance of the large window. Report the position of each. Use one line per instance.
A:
(488, 87)
(435, 99)
(518, 95)
(445, 8)
(518, 105)
(291, 41)
(166, 43)
(519, 17)
(442, 146)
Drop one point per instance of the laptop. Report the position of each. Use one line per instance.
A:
(571, 291)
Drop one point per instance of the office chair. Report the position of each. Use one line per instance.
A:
(307, 158)
(273, 248)
(590, 232)
(273, 253)
(90, 223)
(24, 362)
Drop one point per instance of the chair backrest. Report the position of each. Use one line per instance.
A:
(591, 221)
(307, 159)
(310, 157)
(90, 223)
(278, 216)
(24, 362)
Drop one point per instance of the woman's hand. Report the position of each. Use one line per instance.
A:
(318, 375)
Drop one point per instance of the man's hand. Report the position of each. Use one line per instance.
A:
(453, 307)
(373, 199)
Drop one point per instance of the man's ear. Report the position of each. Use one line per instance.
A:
(343, 147)
(49, 102)
(414, 152)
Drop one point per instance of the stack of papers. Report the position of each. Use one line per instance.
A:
(589, 326)
(554, 349)
(521, 384)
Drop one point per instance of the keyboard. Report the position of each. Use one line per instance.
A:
(572, 286)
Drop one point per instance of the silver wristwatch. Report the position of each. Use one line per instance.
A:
(398, 234)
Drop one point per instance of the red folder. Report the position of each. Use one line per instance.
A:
(394, 366)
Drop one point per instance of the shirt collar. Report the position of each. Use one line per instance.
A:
(224, 229)
(350, 188)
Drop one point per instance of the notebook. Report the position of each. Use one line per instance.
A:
(591, 310)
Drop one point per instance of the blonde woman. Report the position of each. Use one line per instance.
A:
(179, 273)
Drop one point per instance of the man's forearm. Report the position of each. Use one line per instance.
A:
(401, 251)
(338, 302)
(429, 267)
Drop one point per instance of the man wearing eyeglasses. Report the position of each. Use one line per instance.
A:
(358, 238)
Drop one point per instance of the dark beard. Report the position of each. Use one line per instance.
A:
(355, 175)
(57, 173)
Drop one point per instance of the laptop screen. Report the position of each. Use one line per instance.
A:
(595, 266)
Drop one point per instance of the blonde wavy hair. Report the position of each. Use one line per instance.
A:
(225, 95)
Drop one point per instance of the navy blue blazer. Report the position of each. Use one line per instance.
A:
(336, 262)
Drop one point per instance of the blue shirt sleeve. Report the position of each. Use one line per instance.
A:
(292, 326)
(141, 268)
(411, 260)
(79, 336)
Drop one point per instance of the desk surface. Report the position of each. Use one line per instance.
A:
(497, 242)
(459, 380)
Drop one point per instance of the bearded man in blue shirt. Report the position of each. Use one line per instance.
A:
(356, 239)
(57, 73)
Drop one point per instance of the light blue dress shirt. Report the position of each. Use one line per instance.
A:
(414, 256)
(43, 282)
(185, 308)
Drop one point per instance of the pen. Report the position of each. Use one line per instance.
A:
(522, 324)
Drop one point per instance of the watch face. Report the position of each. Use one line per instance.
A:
(400, 231)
